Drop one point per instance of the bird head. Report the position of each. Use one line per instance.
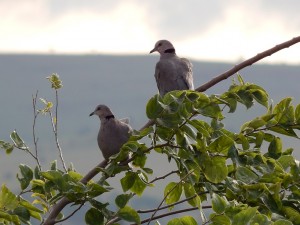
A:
(163, 46)
(103, 112)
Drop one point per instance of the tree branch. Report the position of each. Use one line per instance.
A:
(58, 207)
(64, 201)
(169, 192)
(173, 212)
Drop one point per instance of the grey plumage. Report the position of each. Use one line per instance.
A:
(171, 72)
(113, 133)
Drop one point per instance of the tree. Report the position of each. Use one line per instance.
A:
(245, 177)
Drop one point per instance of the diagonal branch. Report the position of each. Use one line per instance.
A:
(64, 201)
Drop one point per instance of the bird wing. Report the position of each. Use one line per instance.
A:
(173, 73)
(187, 73)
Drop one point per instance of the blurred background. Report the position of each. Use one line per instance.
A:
(100, 50)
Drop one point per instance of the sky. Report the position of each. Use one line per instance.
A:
(216, 30)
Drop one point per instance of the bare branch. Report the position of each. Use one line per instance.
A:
(35, 139)
(173, 212)
(176, 203)
(54, 122)
(163, 177)
(64, 219)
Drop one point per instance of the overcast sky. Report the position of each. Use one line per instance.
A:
(229, 30)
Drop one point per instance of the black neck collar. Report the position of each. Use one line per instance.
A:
(109, 117)
(170, 50)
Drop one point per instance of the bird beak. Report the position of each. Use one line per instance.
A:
(153, 50)
(92, 113)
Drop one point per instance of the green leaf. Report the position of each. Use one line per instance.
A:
(212, 110)
(221, 145)
(172, 192)
(27, 174)
(170, 120)
(218, 203)
(244, 216)
(189, 191)
(292, 214)
(256, 123)
(245, 97)
(133, 182)
(202, 127)
(121, 200)
(260, 219)
(282, 222)
(240, 79)
(53, 165)
(94, 217)
(286, 161)
(95, 190)
(128, 181)
(297, 114)
(37, 173)
(8, 200)
(29, 206)
(284, 130)
(154, 108)
(185, 220)
(282, 110)
(246, 175)
(220, 219)
(56, 177)
(129, 214)
(8, 147)
(189, 132)
(275, 148)
(214, 168)
(259, 139)
(19, 143)
(23, 213)
(261, 97)
(56, 83)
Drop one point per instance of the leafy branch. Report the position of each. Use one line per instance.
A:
(60, 205)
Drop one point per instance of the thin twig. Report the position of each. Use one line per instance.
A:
(55, 130)
(35, 139)
(116, 219)
(163, 177)
(64, 219)
(176, 203)
(169, 192)
(174, 212)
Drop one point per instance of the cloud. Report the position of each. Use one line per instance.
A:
(201, 29)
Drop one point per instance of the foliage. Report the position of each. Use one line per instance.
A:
(246, 177)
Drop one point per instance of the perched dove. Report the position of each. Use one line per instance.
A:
(171, 72)
(113, 133)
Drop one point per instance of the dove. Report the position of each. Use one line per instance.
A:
(171, 72)
(113, 133)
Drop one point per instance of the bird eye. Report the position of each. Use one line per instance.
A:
(159, 44)
(98, 108)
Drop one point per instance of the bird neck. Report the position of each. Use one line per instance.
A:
(170, 50)
(110, 117)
